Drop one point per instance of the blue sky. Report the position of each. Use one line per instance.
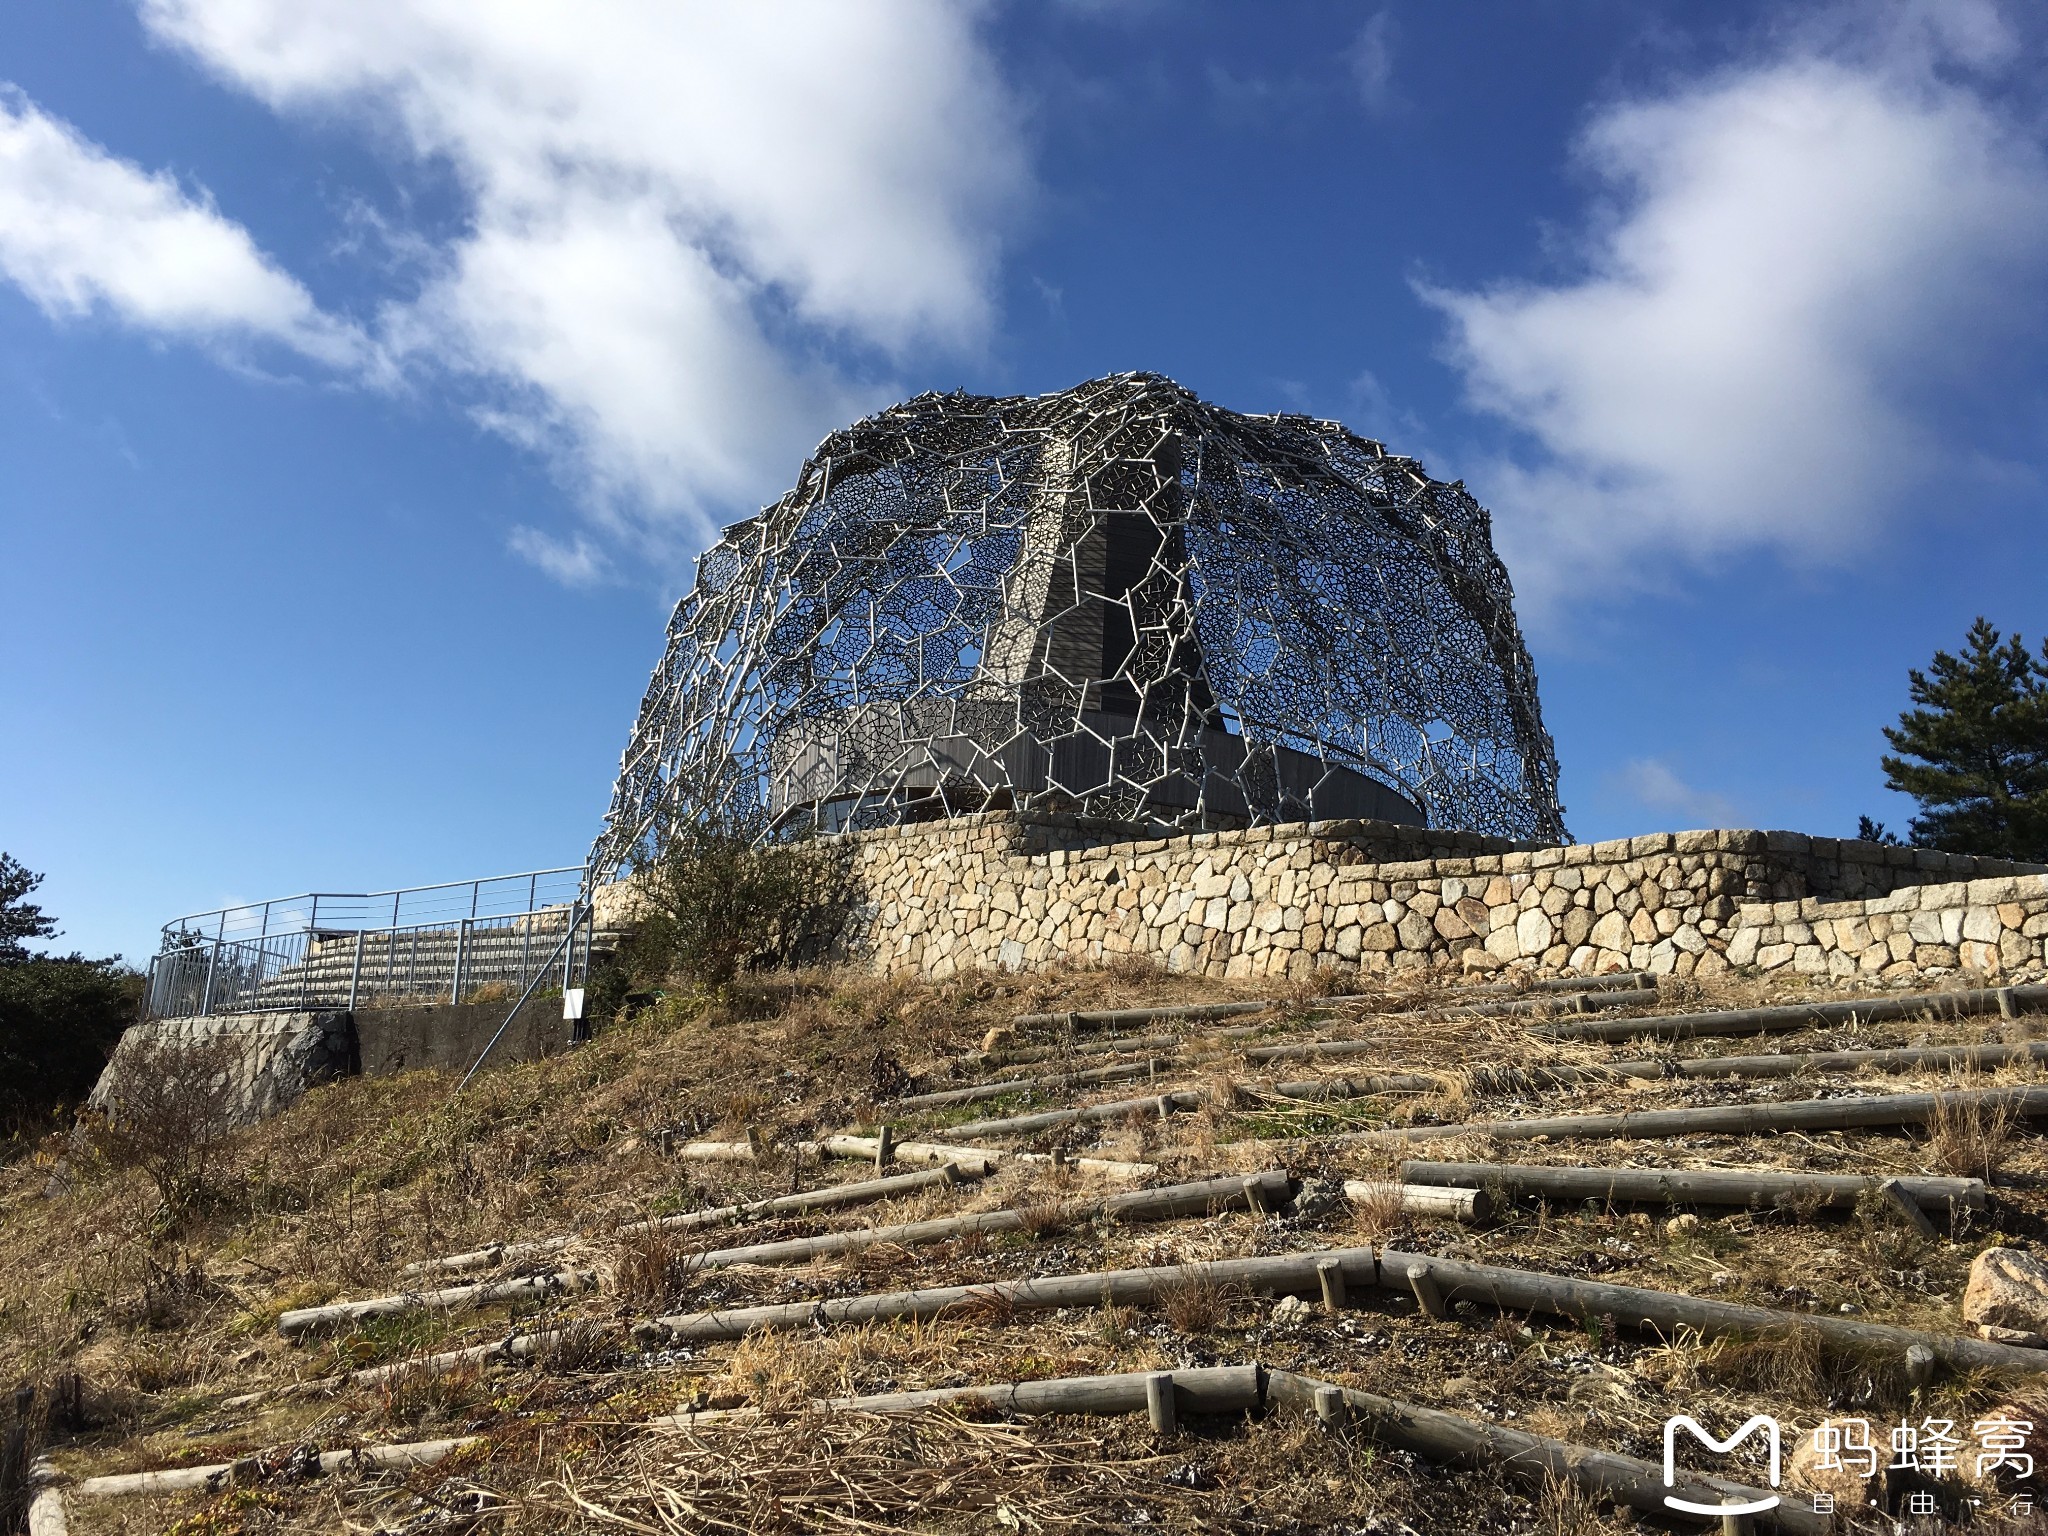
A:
(370, 370)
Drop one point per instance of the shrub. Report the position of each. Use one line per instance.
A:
(171, 1115)
(721, 898)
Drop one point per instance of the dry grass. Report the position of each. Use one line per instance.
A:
(1195, 1304)
(1563, 1509)
(780, 1372)
(420, 1398)
(1970, 1140)
(1044, 1217)
(1325, 982)
(1377, 1217)
(939, 1471)
(366, 1175)
(652, 1269)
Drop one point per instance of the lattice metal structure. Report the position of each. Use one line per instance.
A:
(1117, 600)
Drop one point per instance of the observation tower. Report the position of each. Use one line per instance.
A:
(1118, 601)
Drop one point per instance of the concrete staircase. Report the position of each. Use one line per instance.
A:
(478, 961)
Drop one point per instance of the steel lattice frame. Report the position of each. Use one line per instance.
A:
(1117, 600)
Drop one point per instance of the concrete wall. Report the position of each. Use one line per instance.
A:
(273, 1058)
(1019, 892)
(451, 1037)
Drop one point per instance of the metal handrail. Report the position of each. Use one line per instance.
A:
(287, 972)
(212, 925)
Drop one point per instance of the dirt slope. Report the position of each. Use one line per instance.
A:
(144, 1333)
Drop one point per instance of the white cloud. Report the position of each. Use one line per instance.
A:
(1655, 785)
(698, 233)
(1371, 57)
(82, 232)
(573, 562)
(1787, 252)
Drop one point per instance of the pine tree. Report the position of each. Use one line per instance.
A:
(59, 1014)
(1975, 751)
(20, 918)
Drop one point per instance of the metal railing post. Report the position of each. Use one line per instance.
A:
(355, 975)
(212, 961)
(582, 1030)
(461, 944)
(569, 949)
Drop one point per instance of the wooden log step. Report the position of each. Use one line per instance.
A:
(496, 1255)
(1973, 1058)
(973, 1093)
(46, 1515)
(515, 1346)
(1289, 1273)
(1744, 1187)
(371, 1458)
(1665, 1312)
(1444, 1439)
(1110, 1018)
(1579, 1002)
(1320, 1089)
(1096, 1018)
(1269, 1191)
(716, 1151)
(1452, 1439)
(1976, 1058)
(461, 1297)
(830, 1197)
(490, 1256)
(983, 1061)
(1209, 1390)
(1160, 1105)
(1860, 1112)
(1420, 1198)
(972, 1159)
(1309, 1050)
(1785, 1019)
(1620, 981)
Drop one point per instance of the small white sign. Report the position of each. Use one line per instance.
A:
(572, 1003)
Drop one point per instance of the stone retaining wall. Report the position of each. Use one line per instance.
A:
(1994, 926)
(1012, 892)
(1021, 892)
(269, 1059)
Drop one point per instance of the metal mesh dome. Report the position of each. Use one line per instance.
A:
(1116, 600)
